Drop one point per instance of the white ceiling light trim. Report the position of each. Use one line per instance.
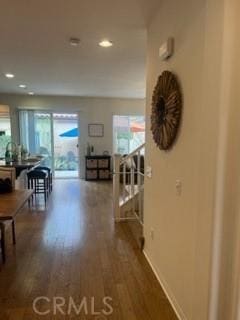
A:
(106, 43)
(9, 75)
(22, 86)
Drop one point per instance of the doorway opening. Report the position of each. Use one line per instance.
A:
(128, 133)
(55, 136)
(65, 130)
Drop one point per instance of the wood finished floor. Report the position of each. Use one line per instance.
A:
(74, 249)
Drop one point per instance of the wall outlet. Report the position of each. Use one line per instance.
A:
(152, 233)
(178, 187)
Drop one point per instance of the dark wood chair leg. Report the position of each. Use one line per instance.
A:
(45, 192)
(2, 228)
(13, 232)
(30, 202)
(48, 186)
(40, 183)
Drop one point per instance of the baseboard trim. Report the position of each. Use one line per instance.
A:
(177, 309)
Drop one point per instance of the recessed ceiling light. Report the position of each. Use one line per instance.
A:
(105, 43)
(31, 93)
(9, 75)
(74, 42)
(22, 86)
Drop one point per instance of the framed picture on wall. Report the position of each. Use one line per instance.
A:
(95, 130)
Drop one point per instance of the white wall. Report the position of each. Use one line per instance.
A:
(181, 251)
(91, 110)
(226, 267)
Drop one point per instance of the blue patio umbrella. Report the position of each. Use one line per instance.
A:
(73, 133)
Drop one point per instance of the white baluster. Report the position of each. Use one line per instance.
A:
(116, 186)
(132, 177)
(139, 181)
(124, 181)
(119, 194)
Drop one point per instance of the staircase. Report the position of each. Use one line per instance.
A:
(128, 190)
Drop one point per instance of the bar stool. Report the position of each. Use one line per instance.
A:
(38, 181)
(50, 176)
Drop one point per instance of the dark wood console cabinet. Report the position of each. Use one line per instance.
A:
(98, 168)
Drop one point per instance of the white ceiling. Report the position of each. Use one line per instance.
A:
(34, 46)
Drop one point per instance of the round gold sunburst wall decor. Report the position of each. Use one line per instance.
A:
(166, 110)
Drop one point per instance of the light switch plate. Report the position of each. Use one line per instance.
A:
(149, 171)
(178, 186)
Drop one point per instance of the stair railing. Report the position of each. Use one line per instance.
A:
(128, 186)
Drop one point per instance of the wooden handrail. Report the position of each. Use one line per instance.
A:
(130, 155)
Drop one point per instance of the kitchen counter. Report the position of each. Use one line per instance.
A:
(21, 165)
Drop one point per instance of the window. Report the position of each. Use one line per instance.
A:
(5, 129)
(128, 133)
(35, 134)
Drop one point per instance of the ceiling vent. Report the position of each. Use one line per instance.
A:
(74, 42)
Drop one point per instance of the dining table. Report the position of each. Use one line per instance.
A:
(10, 205)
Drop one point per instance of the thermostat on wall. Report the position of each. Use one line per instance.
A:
(166, 49)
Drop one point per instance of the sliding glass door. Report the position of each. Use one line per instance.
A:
(65, 129)
(55, 136)
(43, 137)
(5, 129)
(36, 134)
(128, 133)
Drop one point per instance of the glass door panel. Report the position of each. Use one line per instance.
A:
(128, 133)
(5, 131)
(43, 137)
(66, 159)
(35, 133)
